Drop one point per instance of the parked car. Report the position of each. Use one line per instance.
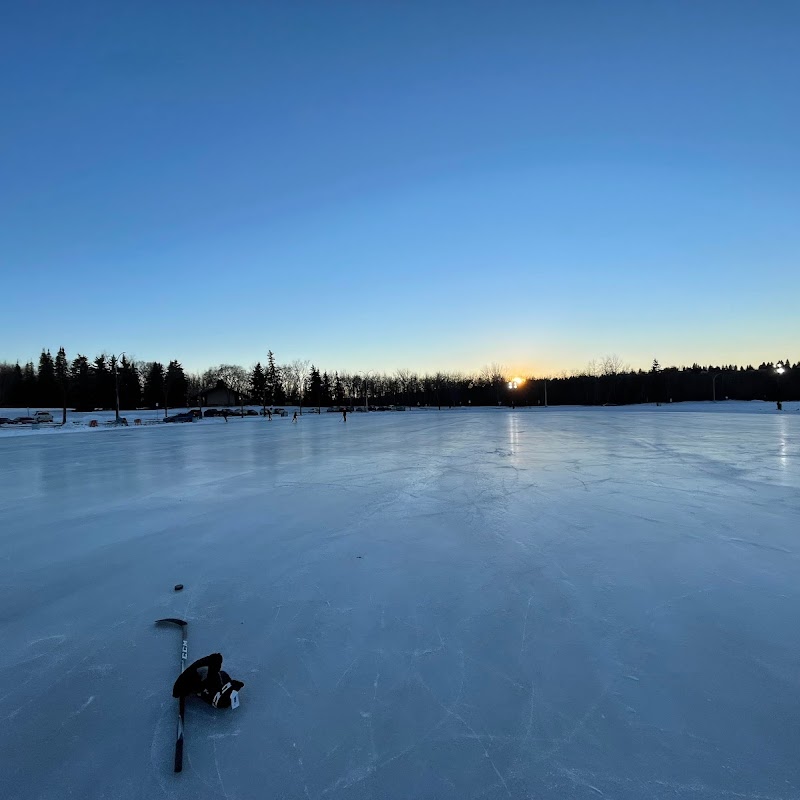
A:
(43, 416)
(250, 413)
(6, 421)
(23, 420)
(212, 412)
(186, 416)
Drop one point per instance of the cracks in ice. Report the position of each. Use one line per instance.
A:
(529, 726)
(216, 765)
(646, 787)
(575, 778)
(344, 674)
(57, 681)
(156, 770)
(483, 746)
(84, 706)
(525, 626)
(559, 743)
(285, 690)
(368, 716)
(451, 711)
(761, 545)
(301, 769)
(308, 670)
(365, 771)
(497, 671)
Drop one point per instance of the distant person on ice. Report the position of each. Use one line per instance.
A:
(344, 415)
(206, 679)
(294, 418)
(269, 414)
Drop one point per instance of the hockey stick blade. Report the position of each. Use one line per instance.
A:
(174, 620)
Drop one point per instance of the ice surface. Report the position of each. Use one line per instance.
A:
(558, 603)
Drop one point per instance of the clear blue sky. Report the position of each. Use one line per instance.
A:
(376, 185)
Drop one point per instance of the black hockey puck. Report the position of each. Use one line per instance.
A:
(178, 587)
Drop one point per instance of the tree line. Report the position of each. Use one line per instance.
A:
(86, 385)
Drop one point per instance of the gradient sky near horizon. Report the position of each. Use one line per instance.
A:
(375, 185)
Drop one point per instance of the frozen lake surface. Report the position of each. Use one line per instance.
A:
(560, 603)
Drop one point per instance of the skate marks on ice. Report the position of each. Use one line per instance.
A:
(41, 667)
(592, 551)
(509, 754)
(432, 667)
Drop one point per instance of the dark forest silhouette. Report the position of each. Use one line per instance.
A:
(85, 385)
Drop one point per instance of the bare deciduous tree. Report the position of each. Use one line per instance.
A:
(612, 365)
(297, 374)
(403, 383)
(592, 369)
(234, 377)
(303, 372)
(494, 375)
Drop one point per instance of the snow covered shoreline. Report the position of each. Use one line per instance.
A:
(79, 421)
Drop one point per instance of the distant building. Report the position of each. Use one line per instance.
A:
(221, 395)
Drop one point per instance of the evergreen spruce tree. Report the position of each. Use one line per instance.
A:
(154, 385)
(81, 381)
(314, 387)
(130, 389)
(258, 385)
(326, 389)
(104, 387)
(28, 386)
(16, 391)
(271, 379)
(61, 370)
(338, 388)
(175, 386)
(6, 384)
(46, 390)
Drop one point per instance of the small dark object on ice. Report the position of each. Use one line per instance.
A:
(178, 587)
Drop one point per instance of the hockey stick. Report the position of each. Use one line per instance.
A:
(182, 702)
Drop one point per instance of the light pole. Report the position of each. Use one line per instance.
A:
(514, 384)
(714, 387)
(779, 370)
(116, 381)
